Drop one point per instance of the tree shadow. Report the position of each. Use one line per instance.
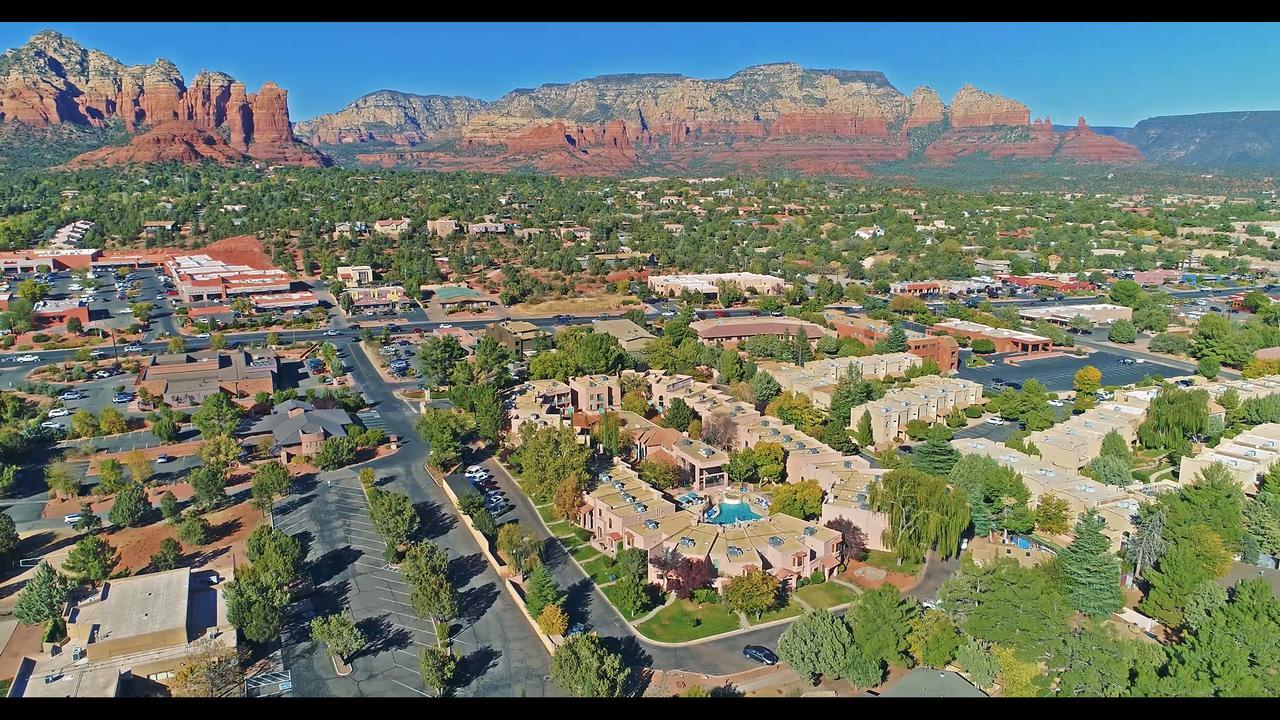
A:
(577, 600)
(331, 564)
(383, 636)
(436, 521)
(331, 597)
(305, 540)
(474, 602)
(225, 529)
(727, 690)
(204, 558)
(463, 569)
(632, 652)
(473, 666)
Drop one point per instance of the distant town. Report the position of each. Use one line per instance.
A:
(310, 432)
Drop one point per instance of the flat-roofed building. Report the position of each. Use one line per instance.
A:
(817, 379)
(943, 350)
(365, 299)
(624, 509)
(1004, 340)
(595, 393)
(456, 298)
(1247, 457)
(1095, 313)
(1076, 442)
(516, 335)
(355, 275)
(276, 302)
(731, 331)
(542, 403)
(131, 630)
(848, 499)
(706, 283)
(928, 399)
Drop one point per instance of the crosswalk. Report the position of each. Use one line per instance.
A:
(372, 419)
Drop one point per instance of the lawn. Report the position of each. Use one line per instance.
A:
(888, 561)
(790, 610)
(599, 568)
(582, 553)
(559, 528)
(547, 514)
(611, 591)
(826, 595)
(674, 623)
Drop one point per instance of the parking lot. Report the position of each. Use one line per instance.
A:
(1058, 373)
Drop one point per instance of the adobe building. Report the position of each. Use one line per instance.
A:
(1005, 341)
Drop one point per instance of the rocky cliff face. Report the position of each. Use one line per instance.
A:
(170, 141)
(52, 80)
(1086, 145)
(972, 107)
(387, 115)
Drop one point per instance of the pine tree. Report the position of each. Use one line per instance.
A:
(542, 591)
(1092, 572)
(863, 433)
(803, 353)
(936, 456)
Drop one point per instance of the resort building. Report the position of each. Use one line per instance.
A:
(595, 393)
(929, 399)
(544, 403)
(817, 379)
(516, 335)
(848, 499)
(1247, 457)
(1076, 442)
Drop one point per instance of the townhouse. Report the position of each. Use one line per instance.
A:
(930, 399)
(817, 379)
(1247, 457)
(1075, 443)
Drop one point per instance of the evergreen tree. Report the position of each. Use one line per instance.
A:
(863, 433)
(42, 596)
(816, 645)
(542, 591)
(936, 456)
(1091, 571)
(130, 506)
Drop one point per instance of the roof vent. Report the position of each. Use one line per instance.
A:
(735, 551)
(651, 524)
(686, 542)
(775, 541)
(810, 531)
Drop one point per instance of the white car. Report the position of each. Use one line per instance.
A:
(126, 311)
(1056, 403)
(50, 425)
(669, 313)
(475, 469)
(133, 348)
(28, 358)
(75, 288)
(445, 326)
(59, 412)
(203, 336)
(995, 421)
(162, 459)
(1139, 360)
(332, 333)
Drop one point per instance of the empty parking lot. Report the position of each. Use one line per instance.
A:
(1058, 373)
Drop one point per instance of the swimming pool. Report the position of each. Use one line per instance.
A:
(729, 512)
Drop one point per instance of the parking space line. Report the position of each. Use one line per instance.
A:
(406, 686)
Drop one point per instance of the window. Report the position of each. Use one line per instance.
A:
(160, 676)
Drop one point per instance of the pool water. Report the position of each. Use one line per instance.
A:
(728, 513)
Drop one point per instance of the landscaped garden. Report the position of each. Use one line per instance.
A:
(827, 594)
(685, 620)
(889, 561)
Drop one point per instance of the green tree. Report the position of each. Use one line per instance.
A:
(894, 342)
(217, 415)
(548, 456)
(1189, 562)
(978, 662)
(43, 595)
(922, 513)
(678, 415)
(164, 426)
(1091, 572)
(881, 620)
(818, 644)
(730, 366)
(438, 666)
(1088, 380)
(766, 387)
(110, 476)
(1123, 331)
(130, 507)
(661, 474)
(194, 530)
(584, 667)
(933, 639)
(437, 358)
(863, 433)
(1209, 366)
(339, 634)
(169, 506)
(542, 591)
(168, 556)
(1053, 514)
(255, 605)
(936, 456)
(632, 596)
(799, 499)
(393, 516)
(753, 593)
(270, 482)
(210, 486)
(8, 537)
(91, 560)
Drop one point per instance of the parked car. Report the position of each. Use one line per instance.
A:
(576, 629)
(122, 398)
(133, 348)
(760, 654)
(669, 313)
(1126, 361)
(445, 326)
(103, 374)
(476, 470)
(71, 519)
(1056, 403)
(996, 421)
(49, 425)
(203, 336)
(59, 412)
(162, 459)
(28, 358)
(71, 395)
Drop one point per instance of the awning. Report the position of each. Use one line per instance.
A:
(830, 561)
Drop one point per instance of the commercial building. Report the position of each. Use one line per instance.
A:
(277, 302)
(203, 277)
(929, 399)
(1057, 283)
(53, 312)
(459, 298)
(943, 350)
(733, 330)
(630, 336)
(130, 635)
(355, 275)
(383, 297)
(1156, 277)
(1004, 340)
(706, 283)
(1096, 313)
(186, 379)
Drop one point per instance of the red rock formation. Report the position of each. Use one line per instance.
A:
(539, 139)
(972, 107)
(926, 108)
(271, 116)
(239, 117)
(835, 125)
(171, 141)
(1084, 145)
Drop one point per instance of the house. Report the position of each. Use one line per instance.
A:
(393, 227)
(355, 275)
(298, 429)
(130, 635)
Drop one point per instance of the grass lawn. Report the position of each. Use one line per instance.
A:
(582, 534)
(792, 609)
(888, 561)
(826, 595)
(582, 553)
(599, 568)
(560, 528)
(674, 622)
(568, 543)
(547, 514)
(611, 591)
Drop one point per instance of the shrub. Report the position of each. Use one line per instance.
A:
(973, 411)
(817, 577)
(705, 596)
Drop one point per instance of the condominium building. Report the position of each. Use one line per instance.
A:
(929, 399)
(817, 379)
(700, 466)
(595, 393)
(848, 499)
(1003, 339)
(1117, 506)
(1075, 443)
(1247, 457)
(516, 335)
(542, 403)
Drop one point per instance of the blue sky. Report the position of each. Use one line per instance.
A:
(1113, 74)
